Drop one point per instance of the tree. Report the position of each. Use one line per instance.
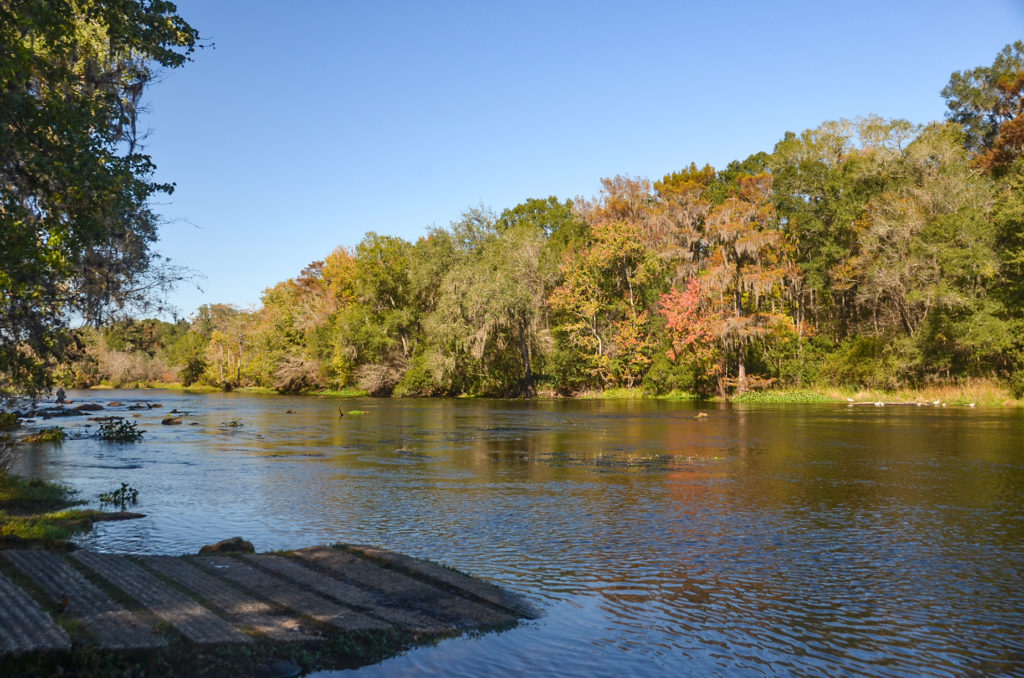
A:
(989, 102)
(381, 327)
(746, 264)
(488, 322)
(822, 181)
(603, 321)
(928, 262)
(76, 228)
(690, 325)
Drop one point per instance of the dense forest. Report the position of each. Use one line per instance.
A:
(869, 252)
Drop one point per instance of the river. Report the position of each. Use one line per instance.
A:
(796, 540)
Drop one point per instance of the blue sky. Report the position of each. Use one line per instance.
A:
(310, 123)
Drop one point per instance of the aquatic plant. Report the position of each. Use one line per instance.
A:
(784, 396)
(119, 431)
(121, 497)
(47, 435)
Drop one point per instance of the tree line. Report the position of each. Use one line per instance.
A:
(870, 252)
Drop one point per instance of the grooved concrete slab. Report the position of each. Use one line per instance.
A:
(24, 626)
(287, 594)
(404, 590)
(194, 621)
(240, 607)
(111, 625)
(451, 578)
(371, 602)
(319, 593)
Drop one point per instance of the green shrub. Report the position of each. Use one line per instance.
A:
(8, 421)
(119, 431)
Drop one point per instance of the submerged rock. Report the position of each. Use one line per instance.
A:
(233, 545)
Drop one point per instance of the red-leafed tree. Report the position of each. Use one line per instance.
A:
(690, 329)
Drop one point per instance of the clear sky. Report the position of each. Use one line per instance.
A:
(311, 123)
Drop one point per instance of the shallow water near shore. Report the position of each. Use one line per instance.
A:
(815, 539)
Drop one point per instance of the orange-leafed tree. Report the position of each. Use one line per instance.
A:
(746, 268)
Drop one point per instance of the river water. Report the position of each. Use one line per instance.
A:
(794, 540)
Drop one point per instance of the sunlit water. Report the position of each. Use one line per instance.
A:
(759, 540)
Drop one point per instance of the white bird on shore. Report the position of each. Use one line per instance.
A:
(970, 405)
(849, 400)
(935, 402)
(879, 404)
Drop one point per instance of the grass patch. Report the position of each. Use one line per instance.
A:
(783, 395)
(47, 435)
(38, 513)
(21, 496)
(347, 392)
(982, 393)
(677, 395)
(47, 528)
(635, 393)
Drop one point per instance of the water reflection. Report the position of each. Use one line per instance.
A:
(796, 540)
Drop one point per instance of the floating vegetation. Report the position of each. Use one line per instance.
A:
(624, 461)
(783, 396)
(121, 497)
(234, 423)
(119, 431)
(357, 412)
(47, 435)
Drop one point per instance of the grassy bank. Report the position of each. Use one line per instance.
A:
(37, 513)
(981, 393)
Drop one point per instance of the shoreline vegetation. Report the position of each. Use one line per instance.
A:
(868, 252)
(40, 514)
(871, 251)
(977, 393)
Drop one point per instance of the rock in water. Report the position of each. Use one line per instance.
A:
(233, 545)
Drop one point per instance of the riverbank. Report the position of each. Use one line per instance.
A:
(38, 514)
(979, 393)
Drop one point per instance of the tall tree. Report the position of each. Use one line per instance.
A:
(989, 102)
(76, 227)
(602, 306)
(747, 265)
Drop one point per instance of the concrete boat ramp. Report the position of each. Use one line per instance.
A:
(326, 605)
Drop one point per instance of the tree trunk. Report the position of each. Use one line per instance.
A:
(524, 351)
(741, 367)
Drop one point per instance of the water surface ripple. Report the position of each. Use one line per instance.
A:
(759, 540)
